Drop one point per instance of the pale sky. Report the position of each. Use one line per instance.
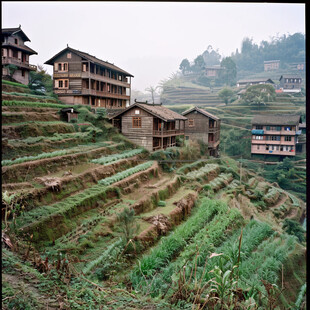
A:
(148, 39)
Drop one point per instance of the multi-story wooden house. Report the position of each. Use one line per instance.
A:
(275, 134)
(271, 65)
(151, 126)
(15, 52)
(202, 125)
(290, 83)
(80, 78)
(249, 82)
(213, 71)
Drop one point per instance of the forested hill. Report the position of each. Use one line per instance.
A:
(287, 48)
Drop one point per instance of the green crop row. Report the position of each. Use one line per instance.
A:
(124, 174)
(67, 207)
(28, 95)
(293, 198)
(33, 104)
(55, 137)
(202, 172)
(203, 243)
(115, 157)
(221, 180)
(14, 83)
(76, 149)
(186, 168)
(171, 245)
(108, 256)
(266, 262)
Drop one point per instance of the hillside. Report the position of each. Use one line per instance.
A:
(91, 221)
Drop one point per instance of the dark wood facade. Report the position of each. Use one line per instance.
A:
(80, 78)
(153, 127)
(290, 83)
(201, 125)
(15, 52)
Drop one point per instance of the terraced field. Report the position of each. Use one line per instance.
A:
(90, 222)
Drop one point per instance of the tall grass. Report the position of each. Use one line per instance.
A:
(28, 95)
(171, 245)
(202, 172)
(201, 245)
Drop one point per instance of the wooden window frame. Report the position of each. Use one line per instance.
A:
(63, 82)
(287, 138)
(61, 67)
(191, 122)
(136, 122)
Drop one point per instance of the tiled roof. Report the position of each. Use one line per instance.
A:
(208, 114)
(290, 76)
(156, 110)
(276, 119)
(20, 47)
(91, 58)
(10, 31)
(255, 81)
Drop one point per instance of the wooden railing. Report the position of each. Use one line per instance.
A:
(165, 146)
(168, 132)
(18, 62)
(106, 79)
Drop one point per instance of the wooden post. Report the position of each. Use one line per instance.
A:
(162, 134)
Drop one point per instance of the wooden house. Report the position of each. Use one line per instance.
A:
(80, 78)
(151, 126)
(202, 125)
(213, 71)
(271, 65)
(15, 52)
(290, 83)
(275, 134)
(249, 82)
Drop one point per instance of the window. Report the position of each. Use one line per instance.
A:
(61, 66)
(278, 128)
(23, 72)
(84, 68)
(258, 147)
(267, 147)
(191, 122)
(258, 137)
(62, 83)
(274, 138)
(16, 41)
(69, 55)
(137, 111)
(281, 148)
(259, 127)
(287, 138)
(136, 122)
(120, 78)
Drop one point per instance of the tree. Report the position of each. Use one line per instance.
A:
(225, 94)
(185, 66)
(199, 63)
(11, 69)
(127, 223)
(259, 94)
(40, 81)
(211, 57)
(229, 74)
(152, 90)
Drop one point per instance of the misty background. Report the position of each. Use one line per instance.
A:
(147, 39)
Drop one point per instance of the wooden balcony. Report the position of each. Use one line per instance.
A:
(94, 92)
(90, 92)
(101, 78)
(18, 62)
(167, 133)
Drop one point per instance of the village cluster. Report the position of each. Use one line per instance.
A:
(80, 78)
